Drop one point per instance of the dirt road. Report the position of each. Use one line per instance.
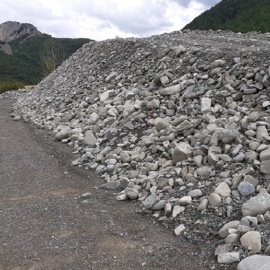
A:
(45, 224)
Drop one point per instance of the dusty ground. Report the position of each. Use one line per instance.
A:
(45, 224)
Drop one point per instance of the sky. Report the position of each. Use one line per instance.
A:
(104, 19)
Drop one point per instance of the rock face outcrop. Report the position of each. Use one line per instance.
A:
(10, 31)
(166, 117)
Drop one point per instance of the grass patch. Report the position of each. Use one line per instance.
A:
(6, 86)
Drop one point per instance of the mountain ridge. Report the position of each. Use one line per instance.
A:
(27, 55)
(237, 16)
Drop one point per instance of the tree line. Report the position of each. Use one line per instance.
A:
(235, 15)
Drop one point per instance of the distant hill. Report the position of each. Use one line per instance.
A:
(27, 55)
(235, 15)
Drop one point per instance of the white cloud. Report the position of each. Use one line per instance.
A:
(102, 19)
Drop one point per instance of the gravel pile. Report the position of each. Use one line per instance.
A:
(178, 121)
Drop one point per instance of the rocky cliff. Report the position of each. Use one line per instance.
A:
(178, 121)
(11, 31)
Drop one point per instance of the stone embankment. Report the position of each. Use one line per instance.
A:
(179, 122)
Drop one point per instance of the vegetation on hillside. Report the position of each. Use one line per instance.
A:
(235, 15)
(10, 86)
(34, 58)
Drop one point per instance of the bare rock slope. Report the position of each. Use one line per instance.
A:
(178, 121)
(10, 31)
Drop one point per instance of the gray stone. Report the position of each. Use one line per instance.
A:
(265, 155)
(240, 157)
(177, 209)
(255, 262)
(232, 238)
(195, 193)
(218, 63)
(179, 230)
(261, 133)
(170, 90)
(205, 105)
(153, 104)
(267, 216)
(253, 117)
(110, 77)
(265, 167)
(203, 205)
(213, 153)
(131, 193)
(159, 205)
(204, 172)
(246, 189)
(184, 201)
(229, 136)
(162, 123)
(214, 199)
(223, 190)
(184, 126)
(250, 179)
(62, 132)
(168, 209)
(89, 139)
(86, 196)
(111, 185)
(252, 240)
(257, 205)
(150, 201)
(181, 152)
(224, 231)
(225, 248)
(198, 160)
(230, 257)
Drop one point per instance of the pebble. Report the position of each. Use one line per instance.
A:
(179, 230)
(223, 190)
(246, 189)
(227, 258)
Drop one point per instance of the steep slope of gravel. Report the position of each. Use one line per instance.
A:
(178, 121)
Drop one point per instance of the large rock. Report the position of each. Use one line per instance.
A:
(252, 240)
(257, 205)
(255, 262)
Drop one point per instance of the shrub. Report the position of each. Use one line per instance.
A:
(6, 86)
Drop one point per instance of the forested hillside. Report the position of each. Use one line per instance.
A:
(235, 15)
(34, 58)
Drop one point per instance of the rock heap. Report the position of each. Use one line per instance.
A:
(179, 122)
